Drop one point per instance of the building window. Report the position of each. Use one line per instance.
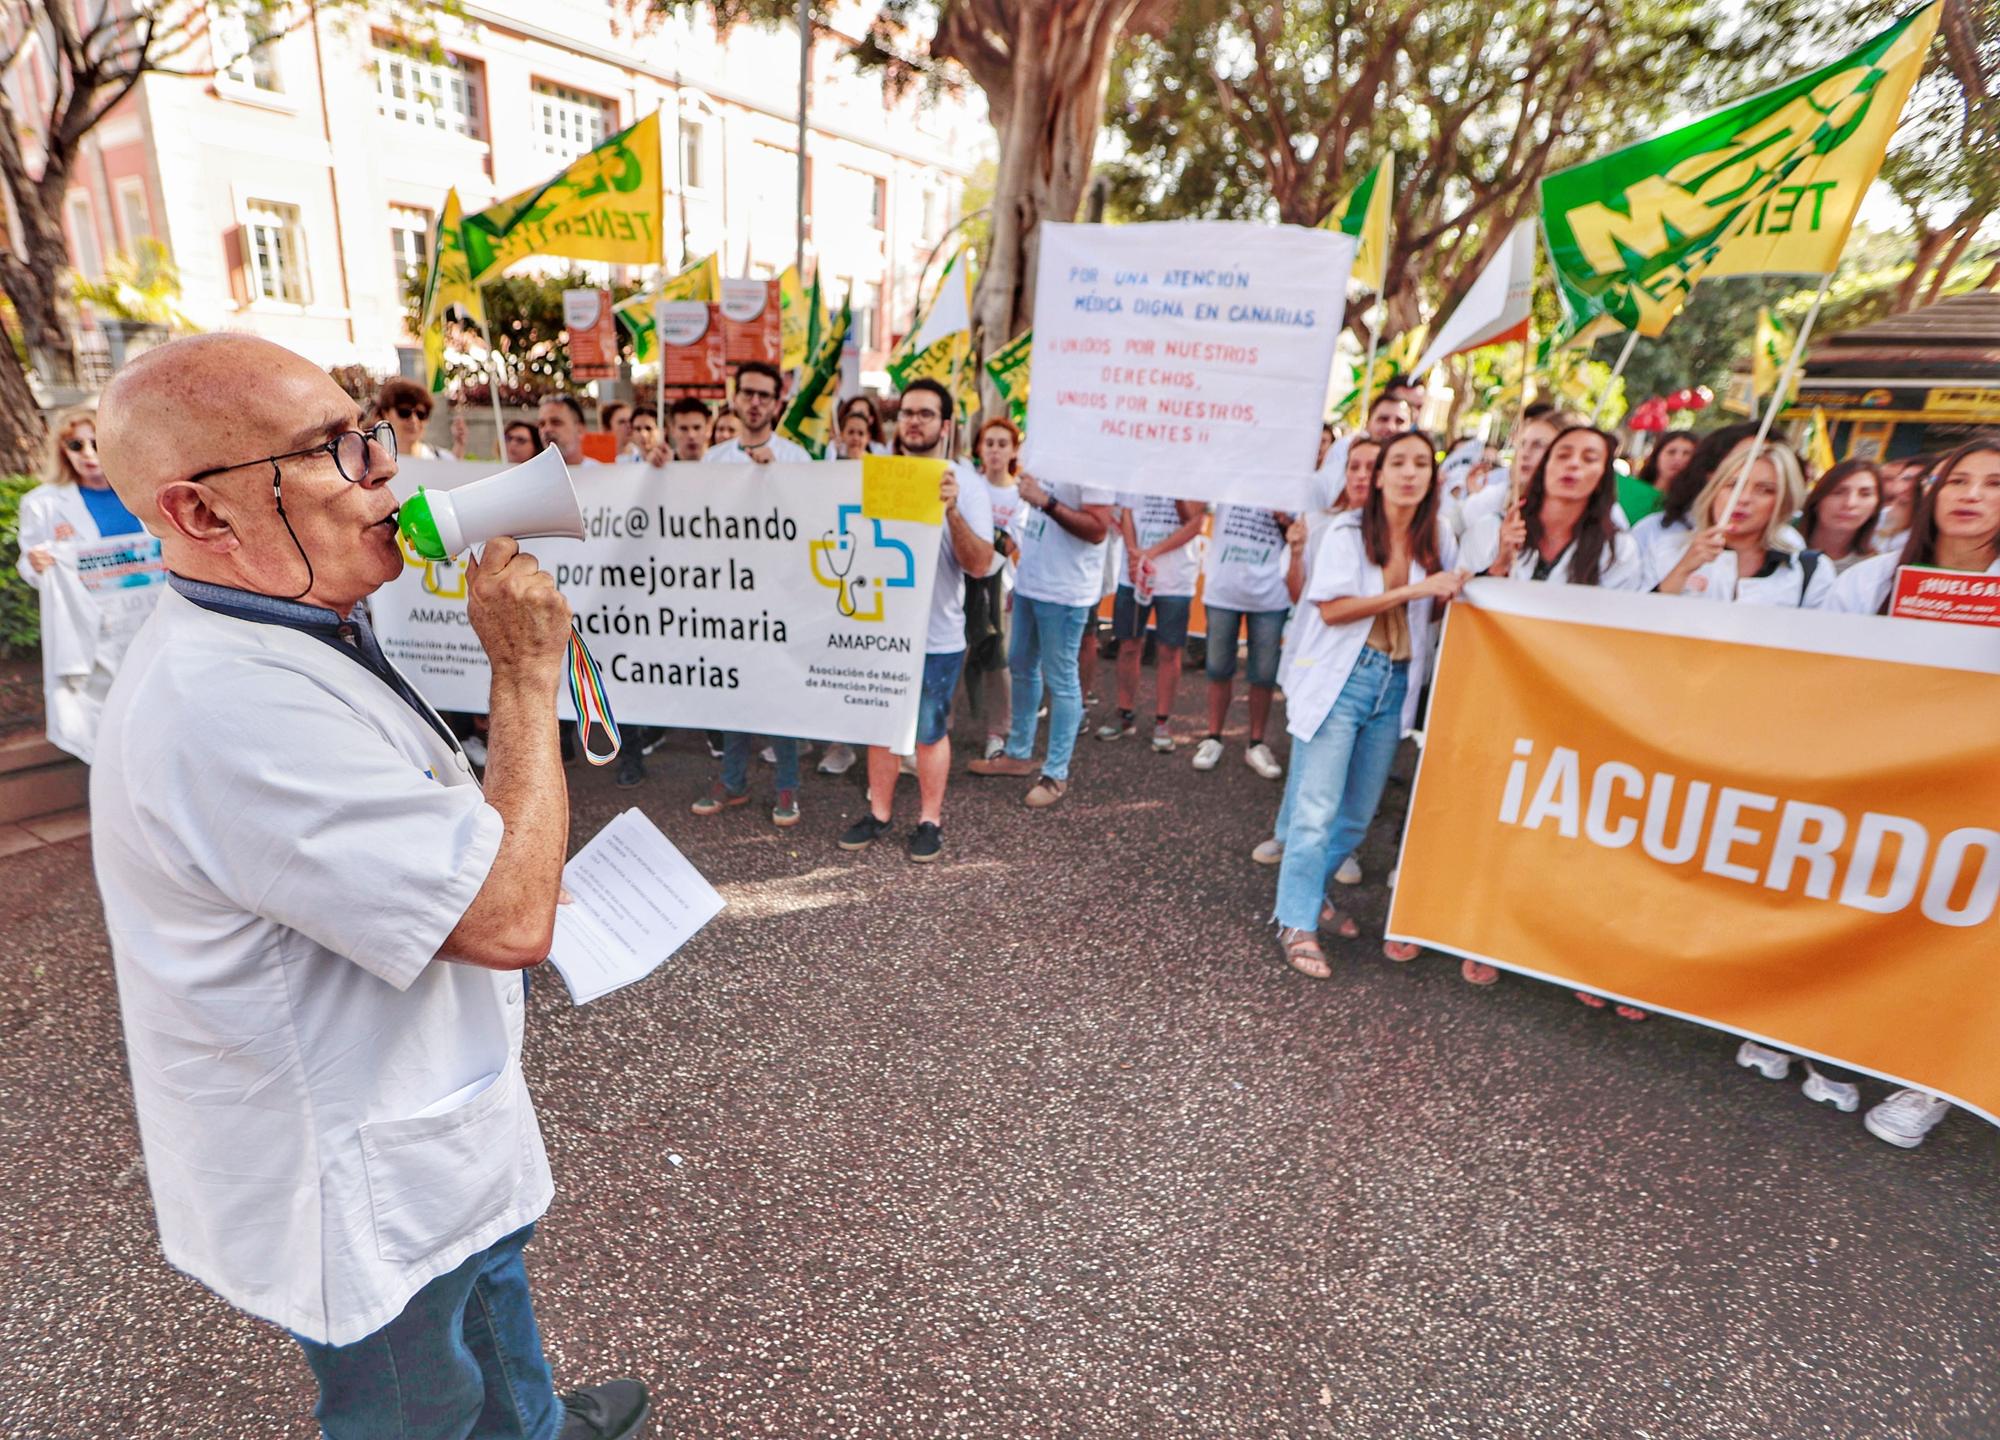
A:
(868, 195)
(245, 48)
(931, 208)
(440, 94)
(410, 242)
(691, 141)
(568, 122)
(276, 252)
(867, 315)
(83, 236)
(136, 213)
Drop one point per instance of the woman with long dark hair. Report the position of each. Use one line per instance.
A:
(1669, 456)
(1349, 696)
(1955, 526)
(1840, 513)
(1563, 530)
(988, 687)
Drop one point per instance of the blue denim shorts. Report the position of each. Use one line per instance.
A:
(1169, 613)
(1267, 636)
(934, 707)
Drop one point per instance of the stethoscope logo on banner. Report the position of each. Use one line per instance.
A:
(859, 590)
(442, 578)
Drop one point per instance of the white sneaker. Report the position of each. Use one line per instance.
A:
(1840, 1094)
(475, 750)
(1771, 1064)
(1259, 758)
(769, 755)
(1905, 1118)
(906, 765)
(1349, 872)
(838, 760)
(1208, 754)
(1163, 740)
(996, 746)
(1269, 852)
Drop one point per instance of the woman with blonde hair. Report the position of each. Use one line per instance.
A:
(1747, 550)
(85, 628)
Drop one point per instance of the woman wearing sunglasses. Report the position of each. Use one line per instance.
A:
(406, 406)
(83, 636)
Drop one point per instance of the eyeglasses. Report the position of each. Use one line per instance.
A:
(769, 397)
(75, 444)
(413, 412)
(934, 416)
(349, 449)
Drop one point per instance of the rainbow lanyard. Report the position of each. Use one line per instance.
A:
(593, 707)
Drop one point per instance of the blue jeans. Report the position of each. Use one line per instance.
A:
(1267, 637)
(934, 704)
(1340, 772)
(1044, 646)
(736, 762)
(462, 1362)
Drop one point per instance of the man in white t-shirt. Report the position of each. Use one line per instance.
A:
(560, 421)
(1058, 581)
(760, 393)
(317, 918)
(965, 548)
(1162, 561)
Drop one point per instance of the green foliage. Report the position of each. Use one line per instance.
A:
(20, 608)
(144, 288)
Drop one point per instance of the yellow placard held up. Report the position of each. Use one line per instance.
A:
(902, 487)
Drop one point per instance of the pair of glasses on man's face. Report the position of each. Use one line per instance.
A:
(353, 453)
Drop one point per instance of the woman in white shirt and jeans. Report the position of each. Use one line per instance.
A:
(1349, 696)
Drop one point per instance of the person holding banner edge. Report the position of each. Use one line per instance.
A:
(1366, 630)
(316, 917)
(965, 548)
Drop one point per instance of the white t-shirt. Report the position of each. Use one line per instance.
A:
(1154, 517)
(330, 1117)
(1055, 567)
(1006, 503)
(783, 452)
(1246, 561)
(946, 635)
(1786, 585)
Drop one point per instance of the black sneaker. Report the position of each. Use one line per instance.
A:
(926, 843)
(631, 768)
(612, 1411)
(863, 832)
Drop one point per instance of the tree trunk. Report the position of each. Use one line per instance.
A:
(1968, 226)
(1929, 243)
(24, 435)
(33, 283)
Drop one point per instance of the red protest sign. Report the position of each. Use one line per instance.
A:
(593, 334)
(1922, 593)
(692, 348)
(752, 321)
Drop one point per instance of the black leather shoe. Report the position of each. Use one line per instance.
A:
(631, 768)
(612, 1411)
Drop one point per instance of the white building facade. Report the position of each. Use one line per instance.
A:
(296, 189)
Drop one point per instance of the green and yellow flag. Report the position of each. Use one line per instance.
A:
(1767, 186)
(448, 286)
(1365, 216)
(700, 281)
(809, 418)
(1008, 369)
(1820, 450)
(939, 346)
(1769, 351)
(605, 206)
(795, 324)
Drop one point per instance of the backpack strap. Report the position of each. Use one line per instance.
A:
(1808, 562)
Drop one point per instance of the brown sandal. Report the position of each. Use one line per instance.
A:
(1342, 925)
(1303, 954)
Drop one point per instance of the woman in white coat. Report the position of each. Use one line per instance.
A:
(1349, 694)
(1955, 526)
(1564, 530)
(1750, 553)
(82, 642)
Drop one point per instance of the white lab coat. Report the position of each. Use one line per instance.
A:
(81, 645)
(330, 1117)
(1786, 586)
(1327, 654)
(1624, 569)
(1865, 588)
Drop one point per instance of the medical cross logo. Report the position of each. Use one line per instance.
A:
(861, 573)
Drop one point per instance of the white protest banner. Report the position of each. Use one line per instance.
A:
(773, 599)
(1186, 359)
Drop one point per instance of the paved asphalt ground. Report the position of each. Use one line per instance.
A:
(1045, 1141)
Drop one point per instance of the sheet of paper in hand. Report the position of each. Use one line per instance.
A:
(635, 900)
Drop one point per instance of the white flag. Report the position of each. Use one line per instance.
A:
(1497, 306)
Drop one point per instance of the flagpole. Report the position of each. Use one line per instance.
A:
(1516, 482)
(805, 80)
(1368, 369)
(493, 378)
(1604, 395)
(1786, 377)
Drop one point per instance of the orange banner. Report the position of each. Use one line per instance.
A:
(1776, 822)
